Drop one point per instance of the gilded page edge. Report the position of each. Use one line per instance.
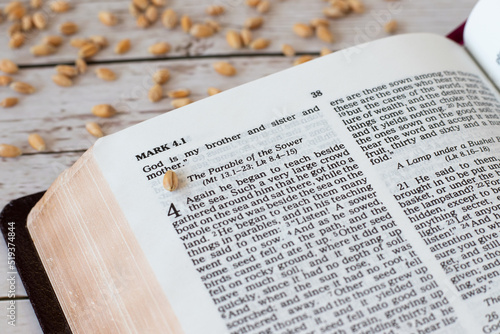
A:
(136, 296)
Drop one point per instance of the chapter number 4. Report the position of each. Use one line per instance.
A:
(172, 211)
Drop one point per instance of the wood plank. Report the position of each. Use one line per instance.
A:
(26, 321)
(59, 113)
(5, 271)
(33, 173)
(414, 16)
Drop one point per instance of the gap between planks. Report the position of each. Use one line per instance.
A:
(160, 59)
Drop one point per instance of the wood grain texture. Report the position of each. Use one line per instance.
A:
(26, 321)
(33, 173)
(59, 113)
(414, 16)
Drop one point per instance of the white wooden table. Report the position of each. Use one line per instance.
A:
(59, 114)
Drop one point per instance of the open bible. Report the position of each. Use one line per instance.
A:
(356, 193)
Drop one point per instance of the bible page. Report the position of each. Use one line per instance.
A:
(481, 37)
(356, 193)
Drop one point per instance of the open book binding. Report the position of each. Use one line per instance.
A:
(337, 205)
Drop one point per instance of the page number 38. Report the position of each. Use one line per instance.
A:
(316, 94)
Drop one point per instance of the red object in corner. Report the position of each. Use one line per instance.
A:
(457, 35)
